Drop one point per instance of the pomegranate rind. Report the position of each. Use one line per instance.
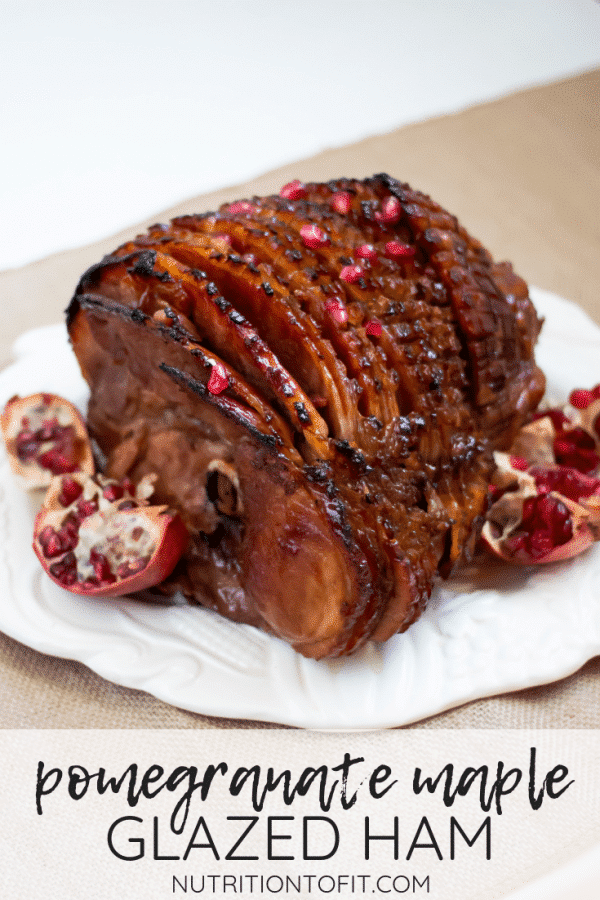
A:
(44, 406)
(505, 515)
(168, 536)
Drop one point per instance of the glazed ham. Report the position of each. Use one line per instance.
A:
(318, 380)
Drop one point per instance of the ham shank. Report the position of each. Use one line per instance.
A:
(318, 380)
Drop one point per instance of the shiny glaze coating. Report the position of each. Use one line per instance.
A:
(353, 459)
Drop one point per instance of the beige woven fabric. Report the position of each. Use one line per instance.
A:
(523, 174)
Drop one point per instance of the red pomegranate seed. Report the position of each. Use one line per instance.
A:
(50, 542)
(218, 380)
(101, 567)
(70, 491)
(569, 482)
(86, 508)
(337, 311)
(367, 251)
(241, 206)
(399, 250)
(373, 328)
(517, 462)
(113, 492)
(390, 211)
(351, 274)
(47, 399)
(313, 236)
(293, 190)
(596, 392)
(576, 450)
(65, 570)
(581, 398)
(341, 202)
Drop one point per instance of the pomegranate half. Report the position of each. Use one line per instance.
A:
(100, 537)
(45, 436)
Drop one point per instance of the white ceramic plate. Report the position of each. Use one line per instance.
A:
(491, 631)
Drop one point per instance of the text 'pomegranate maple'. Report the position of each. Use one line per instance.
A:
(319, 380)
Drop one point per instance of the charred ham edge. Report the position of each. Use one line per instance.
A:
(229, 332)
(239, 402)
(279, 317)
(310, 541)
(275, 315)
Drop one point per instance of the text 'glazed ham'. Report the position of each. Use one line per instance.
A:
(318, 379)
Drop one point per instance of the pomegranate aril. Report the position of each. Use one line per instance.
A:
(342, 202)
(337, 311)
(367, 251)
(293, 190)
(50, 542)
(241, 206)
(390, 211)
(576, 449)
(314, 237)
(351, 274)
(596, 392)
(373, 328)
(517, 462)
(86, 508)
(581, 398)
(570, 483)
(65, 570)
(113, 492)
(398, 250)
(102, 570)
(70, 491)
(218, 379)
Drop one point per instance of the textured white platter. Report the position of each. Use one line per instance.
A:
(495, 629)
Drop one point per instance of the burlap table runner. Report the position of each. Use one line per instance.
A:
(523, 174)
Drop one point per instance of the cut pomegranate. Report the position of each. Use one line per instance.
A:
(99, 537)
(45, 436)
(540, 515)
(576, 438)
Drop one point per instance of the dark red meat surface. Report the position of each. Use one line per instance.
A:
(318, 384)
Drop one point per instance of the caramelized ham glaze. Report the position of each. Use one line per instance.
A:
(373, 356)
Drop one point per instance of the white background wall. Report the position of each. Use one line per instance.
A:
(111, 111)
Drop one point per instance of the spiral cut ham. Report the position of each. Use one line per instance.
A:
(318, 379)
